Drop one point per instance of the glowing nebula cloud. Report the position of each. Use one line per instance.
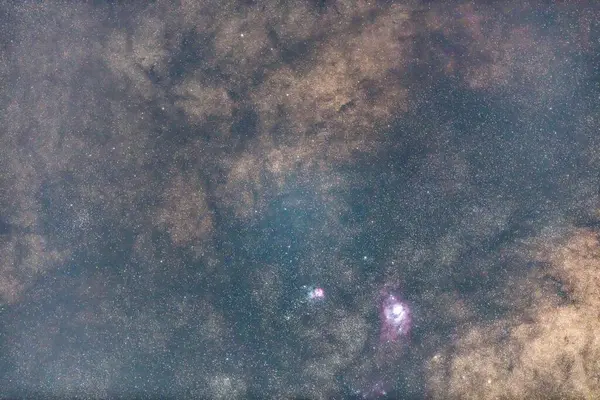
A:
(395, 321)
(395, 317)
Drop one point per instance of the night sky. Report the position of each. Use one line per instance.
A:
(299, 200)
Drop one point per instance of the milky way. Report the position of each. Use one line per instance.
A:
(309, 199)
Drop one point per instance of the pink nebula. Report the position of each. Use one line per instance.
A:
(395, 317)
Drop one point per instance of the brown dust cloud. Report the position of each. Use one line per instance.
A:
(178, 176)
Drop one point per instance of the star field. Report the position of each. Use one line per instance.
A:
(335, 199)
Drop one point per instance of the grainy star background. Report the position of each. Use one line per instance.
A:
(214, 199)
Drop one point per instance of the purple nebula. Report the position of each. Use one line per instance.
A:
(395, 317)
(379, 373)
(377, 390)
